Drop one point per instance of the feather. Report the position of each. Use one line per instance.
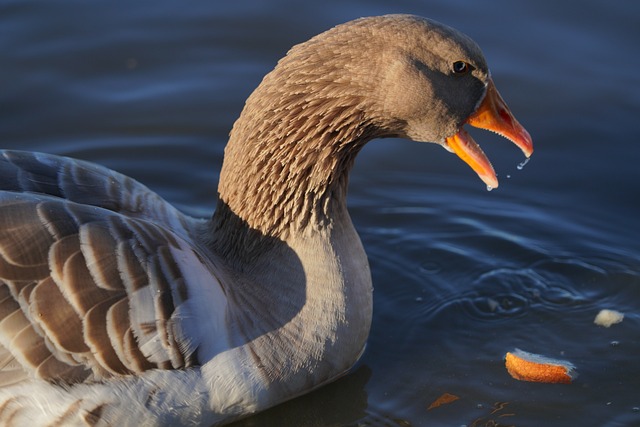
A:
(58, 319)
(96, 335)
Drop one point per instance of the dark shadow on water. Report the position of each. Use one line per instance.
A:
(341, 403)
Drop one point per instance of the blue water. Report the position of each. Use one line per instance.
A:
(461, 275)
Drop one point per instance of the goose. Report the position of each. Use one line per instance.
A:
(119, 310)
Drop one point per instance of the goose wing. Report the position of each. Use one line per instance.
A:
(88, 288)
(85, 183)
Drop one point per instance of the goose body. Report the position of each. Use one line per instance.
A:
(117, 309)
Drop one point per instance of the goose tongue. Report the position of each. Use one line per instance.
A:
(494, 115)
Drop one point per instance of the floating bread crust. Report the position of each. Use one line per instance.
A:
(525, 366)
(607, 318)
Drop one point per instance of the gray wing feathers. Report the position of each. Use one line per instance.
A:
(84, 183)
(85, 292)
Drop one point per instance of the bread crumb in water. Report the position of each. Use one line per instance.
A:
(444, 399)
(525, 366)
(607, 318)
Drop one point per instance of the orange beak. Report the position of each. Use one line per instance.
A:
(494, 115)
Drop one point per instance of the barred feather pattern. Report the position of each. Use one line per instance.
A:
(89, 290)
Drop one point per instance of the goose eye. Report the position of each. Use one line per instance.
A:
(461, 67)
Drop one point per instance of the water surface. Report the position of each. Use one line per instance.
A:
(461, 275)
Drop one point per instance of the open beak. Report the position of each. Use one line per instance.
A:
(494, 115)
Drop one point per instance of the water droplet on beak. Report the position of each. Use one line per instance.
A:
(524, 163)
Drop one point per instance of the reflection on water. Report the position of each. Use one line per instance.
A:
(461, 276)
